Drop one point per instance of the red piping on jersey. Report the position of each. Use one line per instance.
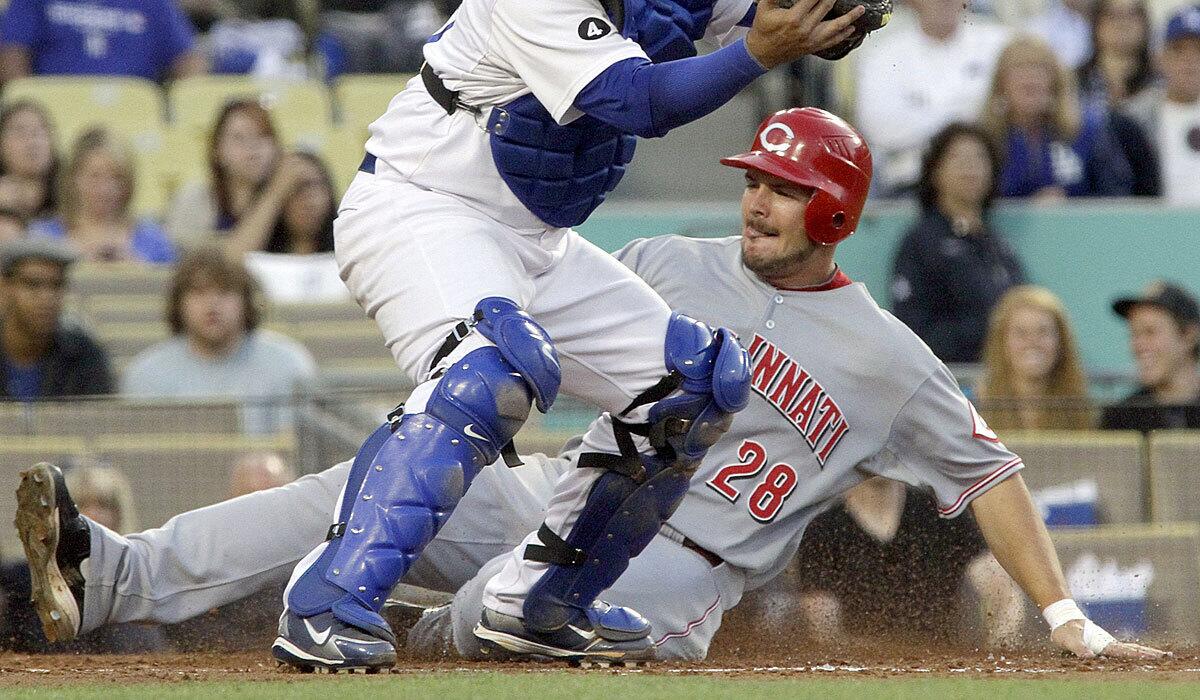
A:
(691, 625)
(981, 484)
(838, 280)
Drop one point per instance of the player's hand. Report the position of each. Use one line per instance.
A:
(780, 35)
(1069, 636)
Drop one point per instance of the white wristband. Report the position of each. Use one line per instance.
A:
(1062, 612)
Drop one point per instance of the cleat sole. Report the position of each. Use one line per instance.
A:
(37, 527)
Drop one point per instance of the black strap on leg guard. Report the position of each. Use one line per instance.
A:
(336, 530)
(554, 550)
(629, 462)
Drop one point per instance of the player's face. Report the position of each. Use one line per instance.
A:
(965, 172)
(33, 297)
(25, 145)
(1029, 87)
(246, 152)
(213, 316)
(1181, 69)
(1160, 347)
(773, 235)
(1032, 343)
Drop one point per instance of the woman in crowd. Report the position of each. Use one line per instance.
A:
(289, 240)
(1119, 69)
(952, 265)
(1033, 378)
(94, 206)
(28, 161)
(243, 151)
(1051, 147)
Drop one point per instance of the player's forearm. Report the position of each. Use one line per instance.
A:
(649, 99)
(1018, 539)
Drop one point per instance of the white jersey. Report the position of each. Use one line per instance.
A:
(841, 391)
(492, 52)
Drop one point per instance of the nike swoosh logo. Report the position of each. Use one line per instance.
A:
(319, 637)
(586, 634)
(469, 431)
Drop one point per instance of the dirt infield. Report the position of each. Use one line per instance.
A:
(19, 670)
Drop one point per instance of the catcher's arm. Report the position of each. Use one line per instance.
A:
(1017, 537)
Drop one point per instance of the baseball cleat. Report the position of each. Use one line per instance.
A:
(604, 634)
(325, 644)
(56, 540)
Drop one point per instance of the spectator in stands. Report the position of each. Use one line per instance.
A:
(292, 255)
(1119, 68)
(1066, 26)
(275, 39)
(103, 494)
(28, 160)
(952, 265)
(12, 226)
(1032, 375)
(96, 193)
(40, 355)
(1164, 335)
(918, 76)
(150, 39)
(218, 349)
(243, 151)
(259, 471)
(883, 563)
(1051, 148)
(294, 214)
(1170, 114)
(384, 36)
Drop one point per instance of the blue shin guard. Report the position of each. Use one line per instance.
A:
(709, 382)
(409, 475)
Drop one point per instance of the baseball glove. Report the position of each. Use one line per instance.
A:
(877, 14)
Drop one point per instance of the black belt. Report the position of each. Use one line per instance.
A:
(367, 165)
(711, 558)
(446, 98)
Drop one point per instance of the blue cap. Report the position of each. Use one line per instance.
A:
(1184, 23)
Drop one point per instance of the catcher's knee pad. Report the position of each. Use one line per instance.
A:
(709, 381)
(401, 492)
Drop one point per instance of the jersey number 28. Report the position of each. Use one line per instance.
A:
(766, 499)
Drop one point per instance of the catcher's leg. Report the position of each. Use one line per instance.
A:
(405, 482)
(544, 604)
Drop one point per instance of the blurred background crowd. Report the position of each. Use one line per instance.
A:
(169, 302)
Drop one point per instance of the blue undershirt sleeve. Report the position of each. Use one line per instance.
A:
(649, 99)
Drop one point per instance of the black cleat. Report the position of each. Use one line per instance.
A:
(56, 539)
(325, 644)
(604, 634)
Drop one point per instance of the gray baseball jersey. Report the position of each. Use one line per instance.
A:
(841, 391)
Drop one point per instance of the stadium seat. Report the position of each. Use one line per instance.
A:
(102, 309)
(361, 99)
(1054, 459)
(128, 106)
(343, 151)
(1174, 455)
(302, 110)
(125, 340)
(340, 340)
(315, 313)
(119, 278)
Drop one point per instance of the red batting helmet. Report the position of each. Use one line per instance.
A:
(813, 148)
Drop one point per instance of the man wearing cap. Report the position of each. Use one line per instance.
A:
(1164, 336)
(1171, 114)
(40, 356)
